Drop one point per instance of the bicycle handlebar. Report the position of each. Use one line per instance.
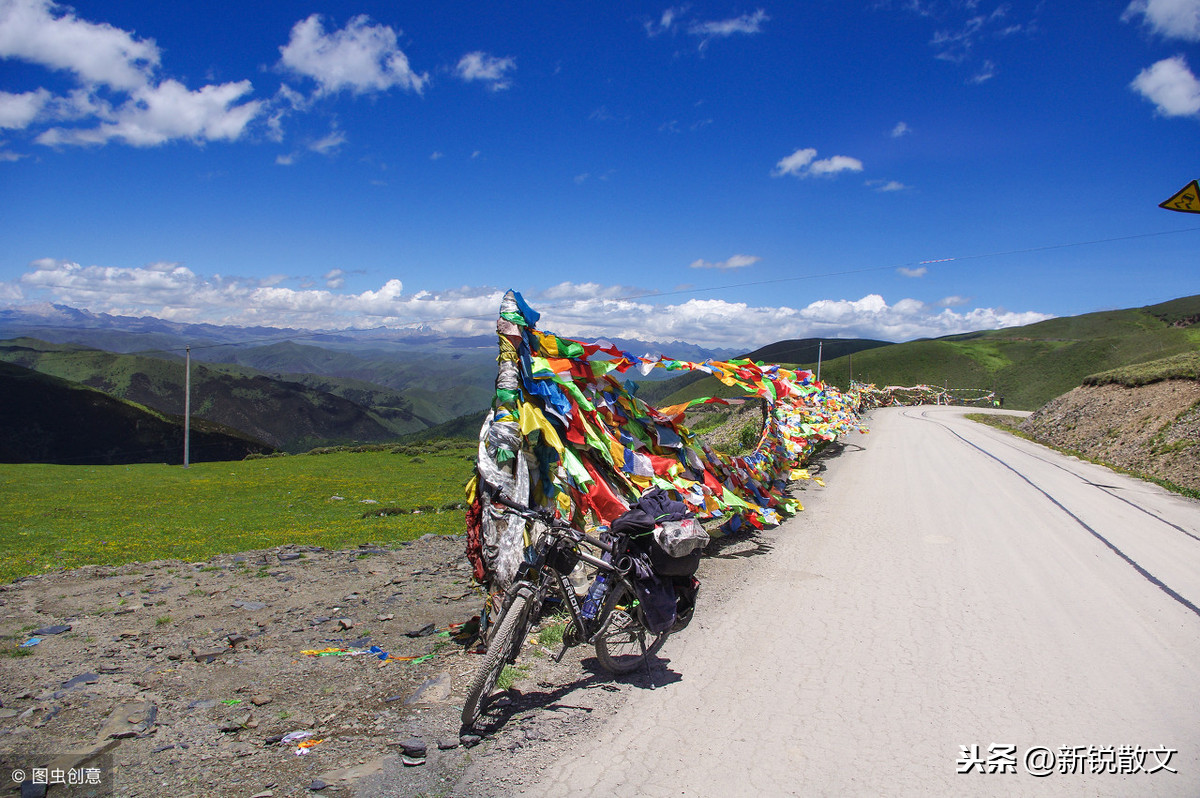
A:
(541, 514)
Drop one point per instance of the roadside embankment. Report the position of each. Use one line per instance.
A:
(1153, 429)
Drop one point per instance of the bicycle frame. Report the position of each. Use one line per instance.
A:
(535, 578)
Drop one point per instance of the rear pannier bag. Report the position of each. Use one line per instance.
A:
(666, 565)
(664, 529)
(658, 600)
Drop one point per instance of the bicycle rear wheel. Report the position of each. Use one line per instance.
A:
(501, 650)
(625, 643)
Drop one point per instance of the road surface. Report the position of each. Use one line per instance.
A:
(953, 600)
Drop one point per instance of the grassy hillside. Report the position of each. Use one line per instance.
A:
(66, 516)
(44, 419)
(286, 414)
(694, 384)
(1179, 367)
(1027, 365)
(460, 381)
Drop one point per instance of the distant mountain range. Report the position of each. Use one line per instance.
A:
(296, 389)
(291, 389)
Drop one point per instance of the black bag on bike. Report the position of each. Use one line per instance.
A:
(686, 590)
(642, 522)
(658, 600)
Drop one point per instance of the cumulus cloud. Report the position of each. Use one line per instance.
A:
(886, 185)
(18, 110)
(1171, 19)
(120, 95)
(920, 271)
(1171, 86)
(588, 310)
(173, 291)
(802, 163)
(733, 262)
(363, 57)
(96, 53)
(479, 66)
(169, 111)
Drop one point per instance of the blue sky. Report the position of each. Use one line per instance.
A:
(715, 172)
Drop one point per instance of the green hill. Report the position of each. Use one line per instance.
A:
(1027, 365)
(286, 414)
(796, 350)
(44, 419)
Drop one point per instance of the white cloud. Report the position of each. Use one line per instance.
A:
(120, 97)
(706, 30)
(886, 185)
(744, 24)
(1171, 19)
(96, 53)
(17, 111)
(801, 163)
(920, 271)
(496, 72)
(362, 57)
(664, 23)
(334, 279)
(953, 301)
(733, 262)
(986, 72)
(901, 129)
(1171, 86)
(157, 114)
(838, 163)
(10, 292)
(586, 310)
(329, 143)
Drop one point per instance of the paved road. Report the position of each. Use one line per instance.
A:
(952, 587)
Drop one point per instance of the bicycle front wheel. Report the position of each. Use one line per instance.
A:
(625, 643)
(501, 650)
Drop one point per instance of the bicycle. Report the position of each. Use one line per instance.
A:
(619, 630)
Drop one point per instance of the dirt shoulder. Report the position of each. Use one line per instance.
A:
(1152, 429)
(185, 678)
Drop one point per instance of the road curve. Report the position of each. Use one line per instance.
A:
(953, 600)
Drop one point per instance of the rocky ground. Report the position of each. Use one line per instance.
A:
(185, 678)
(1152, 429)
(198, 679)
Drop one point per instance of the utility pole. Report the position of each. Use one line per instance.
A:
(187, 407)
(820, 347)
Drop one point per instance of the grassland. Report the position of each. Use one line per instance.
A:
(55, 516)
(1180, 367)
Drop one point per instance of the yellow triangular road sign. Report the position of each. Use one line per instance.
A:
(1187, 199)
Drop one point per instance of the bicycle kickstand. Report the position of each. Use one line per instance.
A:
(646, 661)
